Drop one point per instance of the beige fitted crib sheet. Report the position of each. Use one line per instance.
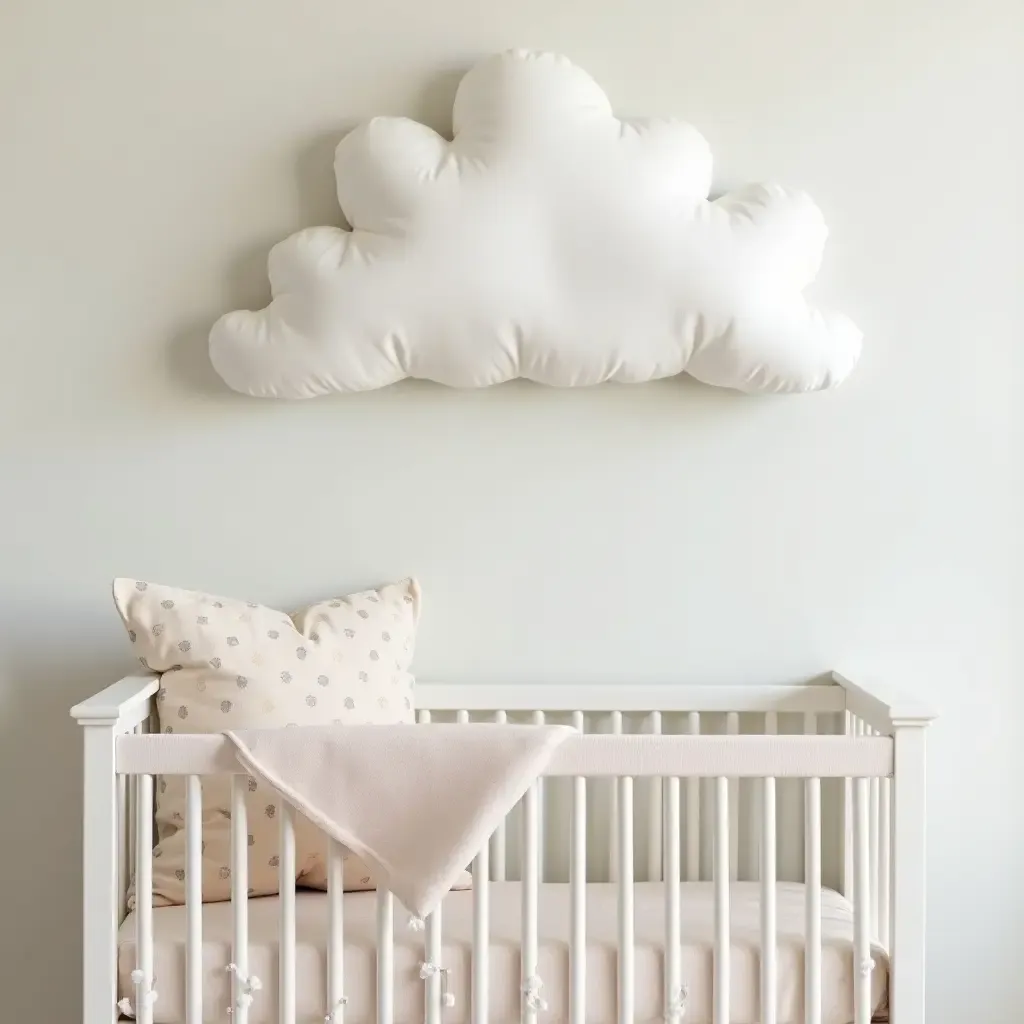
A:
(697, 919)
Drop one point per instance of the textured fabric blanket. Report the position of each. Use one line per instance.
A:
(416, 803)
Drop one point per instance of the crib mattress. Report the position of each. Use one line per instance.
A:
(697, 925)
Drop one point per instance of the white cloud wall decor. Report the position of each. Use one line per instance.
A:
(549, 240)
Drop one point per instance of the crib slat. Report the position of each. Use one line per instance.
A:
(432, 939)
(335, 932)
(720, 997)
(286, 924)
(385, 956)
(481, 935)
(693, 811)
(125, 864)
(673, 966)
(144, 897)
(769, 970)
(239, 899)
(849, 729)
(755, 829)
(578, 895)
(193, 900)
(874, 846)
(885, 862)
(615, 727)
(810, 729)
(732, 728)
(538, 719)
(655, 841)
(529, 908)
(480, 993)
(812, 901)
(626, 929)
(861, 905)
(133, 802)
(432, 995)
(498, 854)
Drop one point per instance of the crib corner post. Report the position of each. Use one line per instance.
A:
(100, 898)
(907, 998)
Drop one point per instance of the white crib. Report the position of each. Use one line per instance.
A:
(745, 788)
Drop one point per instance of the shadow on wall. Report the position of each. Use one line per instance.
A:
(41, 765)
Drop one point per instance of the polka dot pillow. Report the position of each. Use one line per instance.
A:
(228, 664)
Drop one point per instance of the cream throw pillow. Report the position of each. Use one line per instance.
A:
(229, 664)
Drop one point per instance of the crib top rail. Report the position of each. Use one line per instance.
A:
(819, 698)
(628, 755)
(127, 702)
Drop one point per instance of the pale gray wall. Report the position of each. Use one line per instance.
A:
(152, 152)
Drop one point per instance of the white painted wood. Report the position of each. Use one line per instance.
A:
(722, 973)
(480, 992)
(578, 895)
(756, 809)
(769, 963)
(874, 852)
(624, 841)
(812, 901)
(432, 941)
(693, 810)
(124, 840)
(125, 703)
(529, 893)
(239, 900)
(597, 756)
(481, 936)
(126, 706)
(673, 868)
(732, 728)
(861, 905)
(432, 985)
(615, 728)
(144, 988)
(335, 932)
(538, 719)
(500, 844)
(629, 698)
(884, 862)
(655, 843)
(908, 887)
(810, 728)
(130, 696)
(385, 957)
(194, 900)
(286, 910)
(850, 731)
(100, 894)
(131, 814)
(882, 706)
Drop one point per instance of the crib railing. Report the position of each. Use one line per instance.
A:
(879, 758)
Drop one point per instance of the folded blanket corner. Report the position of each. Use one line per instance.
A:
(416, 803)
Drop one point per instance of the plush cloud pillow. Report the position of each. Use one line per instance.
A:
(549, 240)
(230, 664)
